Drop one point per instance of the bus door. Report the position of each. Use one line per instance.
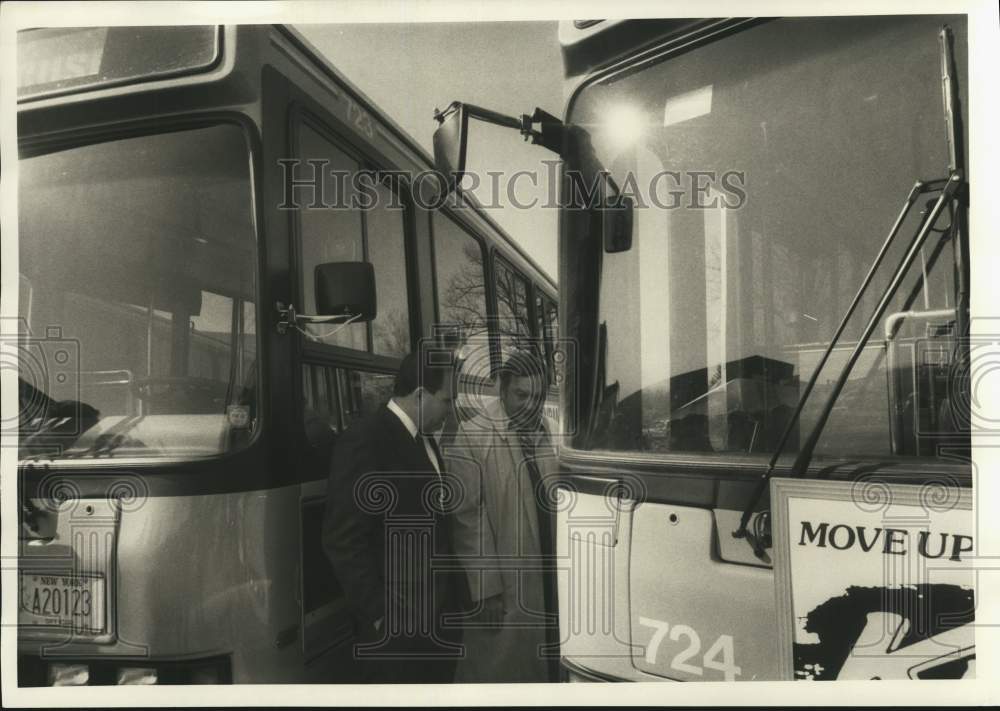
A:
(344, 370)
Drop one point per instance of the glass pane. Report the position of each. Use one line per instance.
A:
(539, 315)
(461, 293)
(307, 387)
(249, 329)
(362, 393)
(137, 258)
(551, 329)
(512, 310)
(321, 415)
(56, 59)
(770, 166)
(551, 321)
(387, 253)
(330, 231)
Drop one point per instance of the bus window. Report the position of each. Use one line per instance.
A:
(551, 321)
(248, 327)
(138, 256)
(542, 330)
(56, 60)
(387, 253)
(550, 329)
(539, 315)
(308, 392)
(361, 392)
(321, 411)
(512, 308)
(329, 234)
(460, 283)
(721, 310)
(339, 230)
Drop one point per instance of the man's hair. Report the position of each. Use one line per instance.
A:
(423, 368)
(522, 364)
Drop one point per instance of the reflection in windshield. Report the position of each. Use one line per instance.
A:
(721, 310)
(137, 294)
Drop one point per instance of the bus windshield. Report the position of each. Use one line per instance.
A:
(137, 288)
(767, 168)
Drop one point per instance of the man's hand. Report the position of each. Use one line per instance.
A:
(493, 612)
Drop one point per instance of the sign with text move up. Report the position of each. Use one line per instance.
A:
(874, 580)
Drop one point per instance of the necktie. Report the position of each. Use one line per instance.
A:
(526, 440)
(430, 446)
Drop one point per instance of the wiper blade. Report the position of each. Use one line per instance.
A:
(806, 452)
(954, 127)
(106, 443)
(948, 187)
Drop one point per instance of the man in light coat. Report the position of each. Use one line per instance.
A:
(503, 528)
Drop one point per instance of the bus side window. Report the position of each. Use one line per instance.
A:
(540, 317)
(335, 398)
(549, 328)
(386, 240)
(362, 392)
(321, 414)
(544, 344)
(348, 224)
(460, 289)
(512, 307)
(330, 230)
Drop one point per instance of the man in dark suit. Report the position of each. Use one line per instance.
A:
(385, 526)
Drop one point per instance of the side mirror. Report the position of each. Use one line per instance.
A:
(450, 141)
(346, 288)
(616, 218)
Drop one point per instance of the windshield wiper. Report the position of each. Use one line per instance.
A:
(954, 125)
(947, 194)
(107, 442)
(948, 187)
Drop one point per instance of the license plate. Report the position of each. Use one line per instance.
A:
(74, 602)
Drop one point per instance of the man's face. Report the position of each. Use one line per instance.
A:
(523, 400)
(435, 407)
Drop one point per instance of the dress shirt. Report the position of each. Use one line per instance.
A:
(411, 427)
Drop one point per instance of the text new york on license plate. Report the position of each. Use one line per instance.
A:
(71, 601)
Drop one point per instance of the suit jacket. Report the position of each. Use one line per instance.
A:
(381, 495)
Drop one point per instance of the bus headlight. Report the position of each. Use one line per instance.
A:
(69, 674)
(136, 675)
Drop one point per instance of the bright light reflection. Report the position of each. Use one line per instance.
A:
(624, 126)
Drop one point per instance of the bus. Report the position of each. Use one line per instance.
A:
(764, 270)
(198, 318)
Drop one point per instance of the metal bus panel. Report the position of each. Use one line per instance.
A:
(185, 578)
(725, 632)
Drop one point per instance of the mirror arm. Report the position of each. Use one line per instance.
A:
(480, 113)
(287, 316)
(551, 134)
